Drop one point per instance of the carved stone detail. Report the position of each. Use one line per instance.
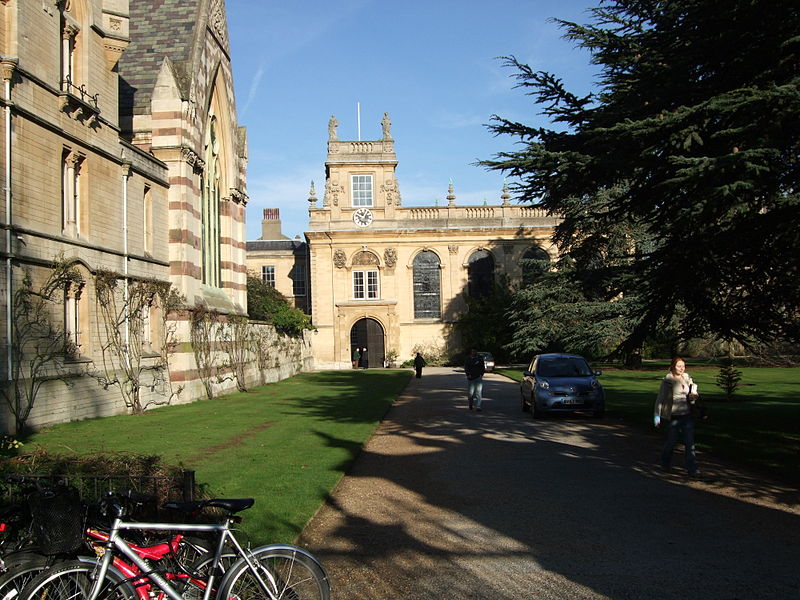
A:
(390, 257)
(391, 191)
(452, 248)
(332, 191)
(191, 158)
(366, 259)
(339, 259)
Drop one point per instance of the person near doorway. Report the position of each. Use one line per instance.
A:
(474, 368)
(363, 362)
(419, 362)
(356, 357)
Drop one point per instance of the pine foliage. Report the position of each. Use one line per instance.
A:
(679, 174)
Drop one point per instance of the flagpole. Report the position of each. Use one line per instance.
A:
(358, 110)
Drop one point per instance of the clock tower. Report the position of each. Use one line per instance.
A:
(361, 190)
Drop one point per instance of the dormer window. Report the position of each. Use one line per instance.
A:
(361, 187)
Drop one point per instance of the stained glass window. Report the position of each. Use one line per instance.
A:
(427, 296)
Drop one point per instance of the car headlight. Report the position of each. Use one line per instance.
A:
(544, 385)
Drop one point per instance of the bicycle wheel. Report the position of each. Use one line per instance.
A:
(20, 569)
(289, 573)
(73, 581)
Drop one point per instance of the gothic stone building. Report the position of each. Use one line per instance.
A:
(392, 278)
(121, 152)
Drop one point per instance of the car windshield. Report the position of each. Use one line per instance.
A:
(563, 367)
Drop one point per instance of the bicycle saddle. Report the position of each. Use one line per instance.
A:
(232, 505)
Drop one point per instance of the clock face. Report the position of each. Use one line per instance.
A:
(362, 217)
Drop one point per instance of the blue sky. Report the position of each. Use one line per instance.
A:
(431, 65)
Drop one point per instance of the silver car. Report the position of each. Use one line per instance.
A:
(561, 383)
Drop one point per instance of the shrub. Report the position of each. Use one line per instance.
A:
(728, 378)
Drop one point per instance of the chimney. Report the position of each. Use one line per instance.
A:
(271, 225)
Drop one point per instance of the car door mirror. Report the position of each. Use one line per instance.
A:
(598, 373)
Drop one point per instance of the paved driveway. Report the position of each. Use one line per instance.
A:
(449, 503)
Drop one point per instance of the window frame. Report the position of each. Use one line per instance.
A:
(299, 280)
(359, 196)
(268, 274)
(366, 284)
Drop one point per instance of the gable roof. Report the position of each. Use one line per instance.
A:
(159, 29)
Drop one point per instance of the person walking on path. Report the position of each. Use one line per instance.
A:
(356, 357)
(419, 362)
(672, 406)
(474, 368)
(362, 361)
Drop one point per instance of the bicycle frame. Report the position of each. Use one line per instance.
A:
(116, 542)
(155, 552)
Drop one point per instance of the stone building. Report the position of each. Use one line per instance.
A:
(391, 278)
(279, 261)
(121, 153)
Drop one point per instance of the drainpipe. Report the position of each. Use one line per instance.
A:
(8, 66)
(126, 173)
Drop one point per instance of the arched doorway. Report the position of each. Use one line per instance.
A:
(368, 333)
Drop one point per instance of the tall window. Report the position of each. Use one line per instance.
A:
(535, 262)
(365, 276)
(69, 45)
(72, 196)
(480, 273)
(147, 220)
(427, 297)
(210, 208)
(72, 323)
(268, 274)
(299, 279)
(362, 190)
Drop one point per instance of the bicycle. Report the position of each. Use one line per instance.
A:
(68, 538)
(274, 572)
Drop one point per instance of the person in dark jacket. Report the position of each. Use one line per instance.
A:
(474, 368)
(419, 362)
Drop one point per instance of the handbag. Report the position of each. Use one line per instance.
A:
(696, 407)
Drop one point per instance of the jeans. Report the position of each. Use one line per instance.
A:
(474, 389)
(685, 424)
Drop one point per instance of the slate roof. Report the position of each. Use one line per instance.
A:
(293, 245)
(159, 29)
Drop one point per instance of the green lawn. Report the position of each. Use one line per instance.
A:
(760, 429)
(286, 444)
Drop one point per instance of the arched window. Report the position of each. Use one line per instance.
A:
(535, 262)
(210, 208)
(427, 296)
(480, 274)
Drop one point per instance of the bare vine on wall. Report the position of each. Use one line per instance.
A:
(237, 341)
(39, 348)
(135, 355)
(206, 329)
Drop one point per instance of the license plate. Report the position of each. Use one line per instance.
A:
(572, 401)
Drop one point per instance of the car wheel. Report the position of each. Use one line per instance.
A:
(535, 412)
(525, 407)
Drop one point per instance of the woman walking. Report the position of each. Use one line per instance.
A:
(672, 407)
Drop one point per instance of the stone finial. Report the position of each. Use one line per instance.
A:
(332, 125)
(312, 196)
(451, 196)
(386, 124)
(505, 195)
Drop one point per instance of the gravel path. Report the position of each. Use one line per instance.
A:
(450, 503)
